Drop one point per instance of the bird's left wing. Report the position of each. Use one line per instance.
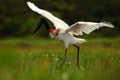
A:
(58, 23)
(86, 27)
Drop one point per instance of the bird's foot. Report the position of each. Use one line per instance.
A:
(78, 66)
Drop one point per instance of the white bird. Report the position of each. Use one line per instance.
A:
(64, 32)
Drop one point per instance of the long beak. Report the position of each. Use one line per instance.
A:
(37, 27)
(41, 21)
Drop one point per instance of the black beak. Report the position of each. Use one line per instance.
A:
(41, 21)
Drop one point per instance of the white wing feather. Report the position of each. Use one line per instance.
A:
(86, 27)
(58, 23)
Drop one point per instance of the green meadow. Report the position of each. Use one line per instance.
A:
(39, 59)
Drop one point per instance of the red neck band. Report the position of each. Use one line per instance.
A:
(52, 30)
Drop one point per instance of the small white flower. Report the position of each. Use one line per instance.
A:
(47, 55)
(53, 55)
(69, 62)
(56, 59)
(112, 59)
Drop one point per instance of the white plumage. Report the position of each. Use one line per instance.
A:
(56, 21)
(65, 32)
(86, 27)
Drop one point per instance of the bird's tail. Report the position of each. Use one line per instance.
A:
(80, 40)
(106, 24)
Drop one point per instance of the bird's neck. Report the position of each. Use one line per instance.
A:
(53, 32)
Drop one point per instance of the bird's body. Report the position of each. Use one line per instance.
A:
(64, 32)
(67, 38)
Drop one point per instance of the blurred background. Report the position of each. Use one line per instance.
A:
(24, 56)
(17, 20)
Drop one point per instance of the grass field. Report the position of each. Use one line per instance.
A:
(39, 59)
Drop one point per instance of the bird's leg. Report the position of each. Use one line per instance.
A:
(78, 50)
(64, 59)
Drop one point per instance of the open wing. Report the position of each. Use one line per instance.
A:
(86, 27)
(58, 23)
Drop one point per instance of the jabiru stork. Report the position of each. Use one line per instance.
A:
(64, 32)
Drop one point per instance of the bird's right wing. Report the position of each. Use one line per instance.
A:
(58, 23)
(86, 27)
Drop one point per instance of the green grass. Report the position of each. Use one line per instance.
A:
(39, 59)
